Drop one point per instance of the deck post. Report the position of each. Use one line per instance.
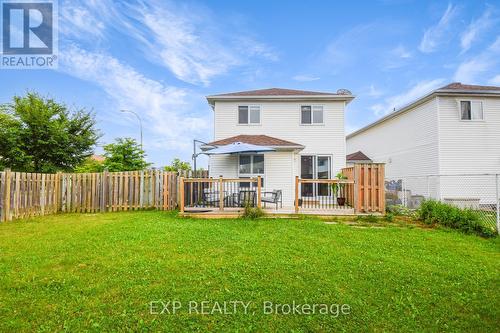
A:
(221, 193)
(181, 194)
(296, 194)
(259, 191)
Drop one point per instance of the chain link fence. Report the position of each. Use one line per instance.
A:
(479, 192)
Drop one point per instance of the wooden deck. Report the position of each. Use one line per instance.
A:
(201, 212)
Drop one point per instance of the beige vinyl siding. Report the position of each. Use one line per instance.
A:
(223, 165)
(469, 147)
(408, 143)
(279, 173)
(282, 120)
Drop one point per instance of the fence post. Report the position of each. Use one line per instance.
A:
(181, 194)
(357, 187)
(381, 189)
(42, 194)
(104, 191)
(221, 193)
(259, 191)
(498, 203)
(296, 194)
(6, 196)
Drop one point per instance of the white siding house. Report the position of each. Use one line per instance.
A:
(453, 130)
(306, 129)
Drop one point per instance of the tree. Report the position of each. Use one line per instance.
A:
(41, 135)
(124, 155)
(177, 165)
(90, 165)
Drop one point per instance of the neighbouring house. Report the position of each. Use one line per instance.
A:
(97, 158)
(436, 140)
(357, 157)
(304, 128)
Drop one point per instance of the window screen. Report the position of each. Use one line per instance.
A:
(306, 116)
(317, 114)
(243, 115)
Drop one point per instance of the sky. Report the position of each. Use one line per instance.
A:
(161, 58)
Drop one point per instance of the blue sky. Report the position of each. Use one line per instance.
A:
(161, 58)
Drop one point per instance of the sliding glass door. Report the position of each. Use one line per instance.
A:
(315, 167)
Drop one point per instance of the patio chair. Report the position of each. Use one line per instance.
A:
(245, 197)
(274, 197)
(211, 198)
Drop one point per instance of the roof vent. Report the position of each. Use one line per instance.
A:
(343, 92)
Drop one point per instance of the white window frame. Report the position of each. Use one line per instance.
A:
(459, 102)
(251, 174)
(312, 106)
(248, 123)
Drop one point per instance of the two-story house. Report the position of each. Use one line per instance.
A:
(305, 129)
(454, 130)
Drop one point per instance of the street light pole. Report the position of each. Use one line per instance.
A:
(140, 122)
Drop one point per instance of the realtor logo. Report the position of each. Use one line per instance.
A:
(28, 34)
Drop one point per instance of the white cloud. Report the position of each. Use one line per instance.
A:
(374, 91)
(78, 21)
(164, 109)
(474, 69)
(191, 43)
(86, 20)
(475, 28)
(186, 38)
(495, 80)
(401, 52)
(397, 101)
(435, 35)
(305, 78)
(397, 57)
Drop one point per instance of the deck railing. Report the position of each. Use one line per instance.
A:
(323, 194)
(202, 193)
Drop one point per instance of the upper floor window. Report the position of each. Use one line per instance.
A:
(471, 110)
(248, 114)
(311, 114)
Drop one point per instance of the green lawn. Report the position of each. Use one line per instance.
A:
(100, 272)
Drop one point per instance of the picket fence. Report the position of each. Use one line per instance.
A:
(32, 194)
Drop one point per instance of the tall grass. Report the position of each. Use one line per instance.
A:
(467, 220)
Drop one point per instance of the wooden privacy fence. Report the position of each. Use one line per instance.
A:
(32, 194)
(369, 189)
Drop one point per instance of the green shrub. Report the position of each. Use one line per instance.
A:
(252, 212)
(389, 217)
(399, 210)
(467, 220)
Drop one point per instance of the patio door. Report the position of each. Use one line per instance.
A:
(315, 167)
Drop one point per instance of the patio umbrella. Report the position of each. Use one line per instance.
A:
(237, 148)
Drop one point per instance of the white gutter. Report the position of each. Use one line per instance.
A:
(213, 98)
